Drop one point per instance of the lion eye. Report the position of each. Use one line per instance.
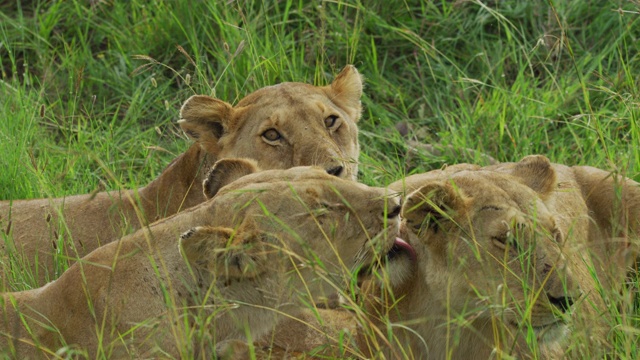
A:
(319, 212)
(557, 236)
(271, 135)
(330, 121)
(505, 239)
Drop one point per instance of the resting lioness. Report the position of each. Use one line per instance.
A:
(262, 246)
(503, 261)
(290, 124)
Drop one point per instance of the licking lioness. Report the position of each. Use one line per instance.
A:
(262, 246)
(503, 261)
(290, 124)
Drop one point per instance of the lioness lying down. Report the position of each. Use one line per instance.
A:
(503, 261)
(262, 246)
(290, 124)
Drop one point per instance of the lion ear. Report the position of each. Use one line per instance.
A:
(346, 91)
(225, 253)
(226, 171)
(205, 119)
(431, 205)
(536, 172)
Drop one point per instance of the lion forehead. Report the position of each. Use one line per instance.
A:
(277, 178)
(303, 183)
(488, 187)
(284, 95)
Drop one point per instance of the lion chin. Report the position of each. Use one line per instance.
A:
(553, 333)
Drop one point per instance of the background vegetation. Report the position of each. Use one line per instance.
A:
(90, 90)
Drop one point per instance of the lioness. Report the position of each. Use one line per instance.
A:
(503, 261)
(262, 246)
(290, 124)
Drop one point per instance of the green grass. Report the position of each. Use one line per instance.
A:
(90, 90)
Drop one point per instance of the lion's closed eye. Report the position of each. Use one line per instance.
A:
(506, 239)
(336, 206)
(491, 207)
(325, 208)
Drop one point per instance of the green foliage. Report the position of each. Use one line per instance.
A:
(90, 90)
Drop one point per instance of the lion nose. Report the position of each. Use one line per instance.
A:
(393, 211)
(335, 171)
(563, 303)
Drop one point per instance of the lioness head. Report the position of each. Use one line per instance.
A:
(284, 238)
(285, 125)
(297, 221)
(485, 253)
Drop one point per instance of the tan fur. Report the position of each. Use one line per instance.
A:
(312, 334)
(65, 229)
(491, 240)
(264, 245)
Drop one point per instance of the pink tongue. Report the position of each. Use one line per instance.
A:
(404, 246)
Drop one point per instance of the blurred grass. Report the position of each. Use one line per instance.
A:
(90, 90)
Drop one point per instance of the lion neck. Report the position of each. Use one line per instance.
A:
(178, 187)
(434, 331)
(259, 303)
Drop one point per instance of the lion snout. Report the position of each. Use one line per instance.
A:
(335, 170)
(562, 303)
(563, 291)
